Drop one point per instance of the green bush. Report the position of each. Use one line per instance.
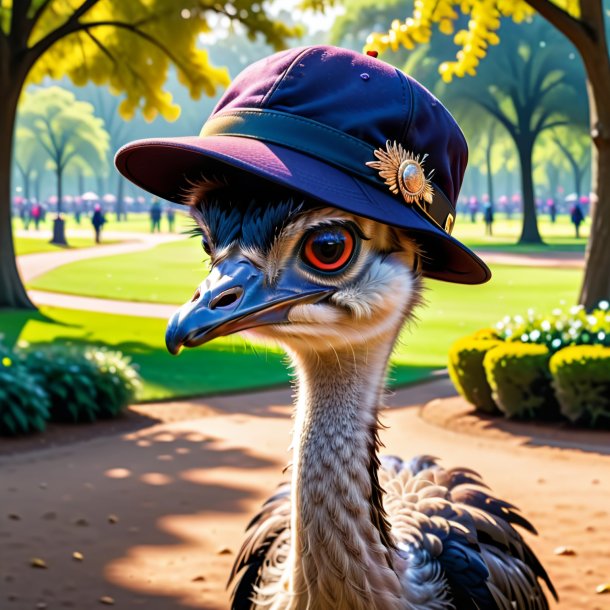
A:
(69, 380)
(581, 377)
(560, 328)
(24, 406)
(117, 383)
(520, 381)
(84, 384)
(467, 373)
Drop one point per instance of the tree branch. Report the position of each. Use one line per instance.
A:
(576, 30)
(19, 13)
(495, 111)
(553, 124)
(71, 27)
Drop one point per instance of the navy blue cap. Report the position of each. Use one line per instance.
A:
(342, 127)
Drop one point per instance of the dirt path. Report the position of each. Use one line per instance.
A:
(158, 513)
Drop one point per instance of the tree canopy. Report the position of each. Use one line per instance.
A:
(127, 46)
(584, 23)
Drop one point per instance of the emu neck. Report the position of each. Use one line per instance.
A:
(340, 553)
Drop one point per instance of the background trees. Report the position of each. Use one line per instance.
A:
(583, 22)
(89, 40)
(69, 132)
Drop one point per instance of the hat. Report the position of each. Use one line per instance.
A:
(341, 127)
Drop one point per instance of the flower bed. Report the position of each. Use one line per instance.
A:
(539, 366)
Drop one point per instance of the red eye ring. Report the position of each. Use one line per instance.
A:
(329, 248)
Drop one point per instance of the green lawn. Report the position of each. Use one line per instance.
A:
(557, 236)
(210, 369)
(168, 273)
(451, 311)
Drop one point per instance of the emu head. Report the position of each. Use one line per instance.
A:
(296, 272)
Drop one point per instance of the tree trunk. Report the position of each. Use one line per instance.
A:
(596, 281)
(529, 231)
(120, 204)
(12, 291)
(490, 182)
(81, 182)
(59, 225)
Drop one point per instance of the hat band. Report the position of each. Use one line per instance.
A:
(318, 140)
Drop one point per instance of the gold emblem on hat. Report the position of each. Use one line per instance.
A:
(404, 173)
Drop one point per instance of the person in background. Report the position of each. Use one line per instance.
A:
(36, 215)
(552, 208)
(488, 217)
(473, 208)
(155, 216)
(98, 220)
(26, 214)
(577, 217)
(171, 218)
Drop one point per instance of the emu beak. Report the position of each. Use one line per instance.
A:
(235, 297)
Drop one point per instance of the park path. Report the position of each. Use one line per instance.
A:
(158, 514)
(34, 265)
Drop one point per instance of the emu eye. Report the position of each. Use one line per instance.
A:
(205, 244)
(328, 248)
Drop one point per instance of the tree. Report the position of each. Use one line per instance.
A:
(575, 148)
(583, 23)
(530, 84)
(29, 158)
(69, 132)
(88, 40)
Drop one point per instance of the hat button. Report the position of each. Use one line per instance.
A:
(364, 76)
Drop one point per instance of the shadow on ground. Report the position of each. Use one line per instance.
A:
(139, 508)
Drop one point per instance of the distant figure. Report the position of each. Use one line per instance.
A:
(155, 216)
(77, 213)
(577, 217)
(552, 208)
(473, 207)
(37, 214)
(26, 214)
(98, 220)
(488, 216)
(171, 218)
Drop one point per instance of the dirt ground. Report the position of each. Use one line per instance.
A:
(156, 504)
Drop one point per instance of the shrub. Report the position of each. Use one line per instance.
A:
(117, 383)
(581, 377)
(68, 379)
(561, 328)
(24, 406)
(84, 384)
(520, 380)
(467, 373)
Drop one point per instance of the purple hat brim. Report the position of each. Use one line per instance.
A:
(167, 167)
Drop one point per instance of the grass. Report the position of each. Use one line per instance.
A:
(451, 311)
(558, 236)
(168, 273)
(37, 245)
(210, 369)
